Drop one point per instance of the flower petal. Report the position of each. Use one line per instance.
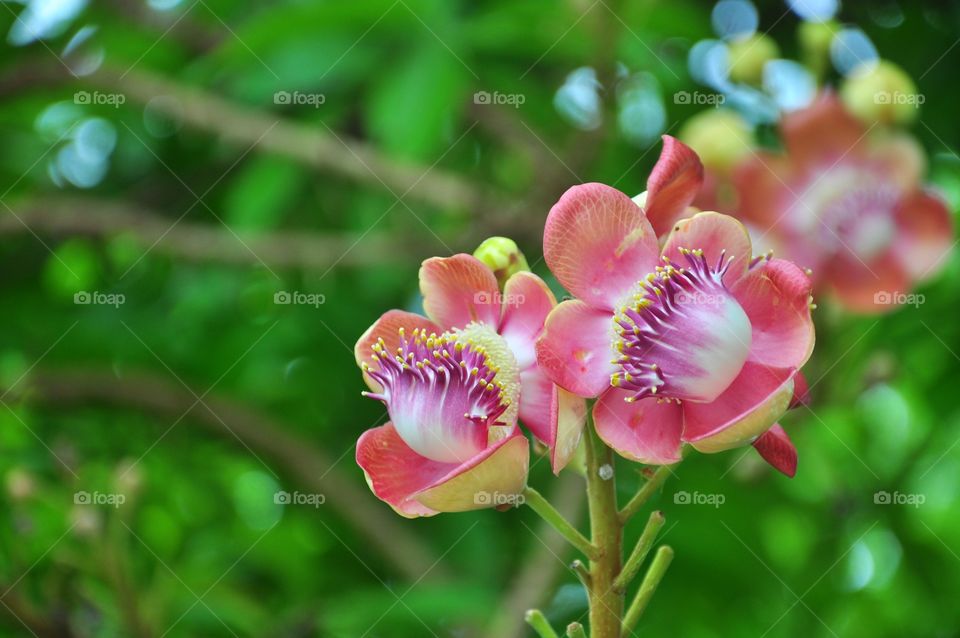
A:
(556, 417)
(778, 450)
(801, 391)
(925, 234)
(775, 294)
(762, 185)
(673, 184)
(752, 403)
(568, 413)
(526, 303)
(415, 486)
(822, 133)
(647, 430)
(387, 327)
(395, 472)
(900, 157)
(499, 473)
(575, 349)
(536, 398)
(872, 287)
(717, 235)
(598, 243)
(459, 290)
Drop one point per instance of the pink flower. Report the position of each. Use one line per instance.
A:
(696, 342)
(454, 385)
(847, 203)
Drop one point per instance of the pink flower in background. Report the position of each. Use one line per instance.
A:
(848, 203)
(454, 385)
(696, 342)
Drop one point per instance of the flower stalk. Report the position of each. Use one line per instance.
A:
(658, 567)
(582, 572)
(540, 624)
(631, 566)
(645, 492)
(548, 512)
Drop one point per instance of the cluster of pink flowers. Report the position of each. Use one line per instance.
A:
(845, 202)
(678, 331)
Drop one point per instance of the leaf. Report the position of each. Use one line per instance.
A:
(412, 110)
(260, 194)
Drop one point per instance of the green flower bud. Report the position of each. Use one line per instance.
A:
(747, 57)
(719, 136)
(882, 93)
(815, 39)
(503, 256)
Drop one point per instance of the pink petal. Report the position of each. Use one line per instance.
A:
(499, 472)
(752, 403)
(778, 450)
(459, 290)
(536, 398)
(647, 430)
(395, 472)
(387, 328)
(526, 303)
(673, 184)
(822, 133)
(869, 288)
(775, 294)
(575, 349)
(899, 157)
(719, 236)
(415, 486)
(763, 183)
(925, 234)
(568, 413)
(801, 391)
(598, 243)
(556, 417)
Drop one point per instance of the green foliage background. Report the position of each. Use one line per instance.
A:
(199, 548)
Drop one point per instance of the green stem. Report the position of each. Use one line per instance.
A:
(606, 604)
(547, 512)
(575, 630)
(643, 495)
(538, 621)
(658, 567)
(632, 565)
(582, 573)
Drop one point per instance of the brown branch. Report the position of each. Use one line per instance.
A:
(50, 623)
(313, 146)
(311, 466)
(191, 241)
